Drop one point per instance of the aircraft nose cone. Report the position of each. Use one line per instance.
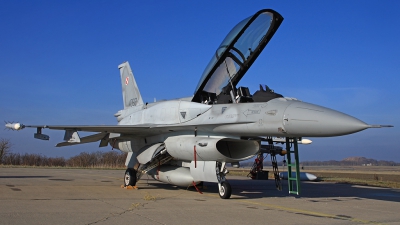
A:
(305, 119)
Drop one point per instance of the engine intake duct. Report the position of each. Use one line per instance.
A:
(211, 149)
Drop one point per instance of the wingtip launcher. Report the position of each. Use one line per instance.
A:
(15, 126)
(20, 126)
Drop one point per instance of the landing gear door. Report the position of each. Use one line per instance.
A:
(204, 171)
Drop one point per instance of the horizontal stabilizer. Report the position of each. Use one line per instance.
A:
(87, 139)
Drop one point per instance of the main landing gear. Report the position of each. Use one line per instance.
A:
(130, 177)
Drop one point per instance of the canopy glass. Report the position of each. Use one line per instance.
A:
(237, 52)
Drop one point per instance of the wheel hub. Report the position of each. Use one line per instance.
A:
(222, 191)
(127, 179)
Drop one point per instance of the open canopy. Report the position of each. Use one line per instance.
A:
(236, 54)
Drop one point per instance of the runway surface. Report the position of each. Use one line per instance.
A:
(76, 196)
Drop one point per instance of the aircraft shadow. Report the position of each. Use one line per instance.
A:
(316, 191)
(243, 188)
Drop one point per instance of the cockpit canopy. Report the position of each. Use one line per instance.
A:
(236, 54)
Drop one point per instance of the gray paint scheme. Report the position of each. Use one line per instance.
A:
(200, 136)
(130, 90)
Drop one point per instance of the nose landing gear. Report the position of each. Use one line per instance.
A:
(225, 190)
(224, 187)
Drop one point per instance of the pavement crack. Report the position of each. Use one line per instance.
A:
(108, 217)
(123, 212)
(133, 207)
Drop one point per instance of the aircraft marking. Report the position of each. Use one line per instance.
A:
(133, 102)
(230, 116)
(260, 105)
(223, 109)
(250, 112)
(126, 80)
(183, 114)
(271, 112)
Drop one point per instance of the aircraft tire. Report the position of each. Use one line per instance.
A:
(226, 190)
(130, 177)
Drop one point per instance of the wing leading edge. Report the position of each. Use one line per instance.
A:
(105, 132)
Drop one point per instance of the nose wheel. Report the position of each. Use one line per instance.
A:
(225, 190)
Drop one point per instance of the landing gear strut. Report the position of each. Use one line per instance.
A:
(224, 187)
(130, 177)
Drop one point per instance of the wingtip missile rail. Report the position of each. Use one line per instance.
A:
(15, 126)
(20, 126)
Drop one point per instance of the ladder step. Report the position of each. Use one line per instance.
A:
(291, 164)
(292, 178)
(294, 192)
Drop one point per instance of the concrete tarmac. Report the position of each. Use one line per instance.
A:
(76, 196)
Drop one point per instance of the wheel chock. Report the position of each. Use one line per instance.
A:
(130, 187)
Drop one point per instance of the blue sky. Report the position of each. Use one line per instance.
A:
(58, 63)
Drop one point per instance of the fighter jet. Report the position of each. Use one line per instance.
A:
(190, 140)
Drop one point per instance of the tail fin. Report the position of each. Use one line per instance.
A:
(130, 90)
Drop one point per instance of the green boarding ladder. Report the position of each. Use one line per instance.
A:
(293, 166)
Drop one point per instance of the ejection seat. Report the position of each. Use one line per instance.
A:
(243, 95)
(265, 95)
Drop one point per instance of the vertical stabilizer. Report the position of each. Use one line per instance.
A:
(130, 91)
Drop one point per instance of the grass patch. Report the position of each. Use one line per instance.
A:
(149, 197)
(387, 179)
(136, 206)
(238, 172)
(374, 183)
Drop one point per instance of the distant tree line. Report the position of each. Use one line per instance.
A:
(370, 162)
(112, 159)
(351, 161)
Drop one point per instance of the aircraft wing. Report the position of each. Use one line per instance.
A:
(105, 132)
(120, 129)
(140, 130)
